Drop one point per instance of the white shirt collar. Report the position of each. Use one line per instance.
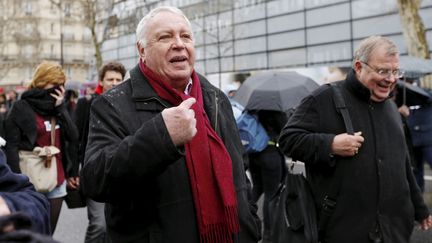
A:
(188, 87)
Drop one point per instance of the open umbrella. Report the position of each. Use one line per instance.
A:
(411, 95)
(278, 91)
(415, 67)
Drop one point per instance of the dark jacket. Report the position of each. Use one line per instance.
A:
(21, 196)
(377, 184)
(133, 166)
(21, 134)
(82, 119)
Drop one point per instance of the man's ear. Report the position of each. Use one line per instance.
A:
(141, 50)
(357, 66)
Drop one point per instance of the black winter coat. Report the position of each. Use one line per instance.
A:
(132, 165)
(377, 184)
(21, 134)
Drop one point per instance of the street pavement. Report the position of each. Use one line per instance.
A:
(72, 225)
(73, 222)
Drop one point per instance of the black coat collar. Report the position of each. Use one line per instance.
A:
(358, 89)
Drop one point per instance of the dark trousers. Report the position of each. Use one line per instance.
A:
(266, 168)
(422, 154)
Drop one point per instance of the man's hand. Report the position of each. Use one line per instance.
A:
(180, 122)
(426, 223)
(347, 145)
(404, 110)
(73, 182)
(4, 208)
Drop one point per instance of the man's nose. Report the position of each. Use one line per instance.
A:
(178, 42)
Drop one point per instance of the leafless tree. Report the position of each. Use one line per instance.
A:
(414, 32)
(413, 28)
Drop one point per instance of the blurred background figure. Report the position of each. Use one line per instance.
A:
(110, 75)
(71, 98)
(11, 96)
(230, 91)
(28, 125)
(267, 167)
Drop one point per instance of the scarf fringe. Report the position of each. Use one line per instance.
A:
(216, 233)
(231, 217)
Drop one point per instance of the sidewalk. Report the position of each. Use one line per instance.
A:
(420, 236)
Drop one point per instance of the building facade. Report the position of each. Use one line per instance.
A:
(37, 30)
(242, 36)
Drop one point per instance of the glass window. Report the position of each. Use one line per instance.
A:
(286, 22)
(287, 58)
(286, 40)
(197, 28)
(110, 55)
(317, 3)
(128, 51)
(109, 44)
(397, 39)
(426, 15)
(227, 64)
(249, 13)
(199, 52)
(127, 40)
(330, 33)
(250, 29)
(129, 63)
(330, 53)
(328, 15)
(426, 3)
(212, 66)
(365, 8)
(211, 51)
(250, 62)
(283, 6)
(382, 25)
(250, 45)
(199, 66)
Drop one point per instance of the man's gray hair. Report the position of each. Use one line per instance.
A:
(141, 29)
(368, 45)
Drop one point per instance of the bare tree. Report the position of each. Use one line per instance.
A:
(92, 10)
(414, 32)
(20, 40)
(413, 28)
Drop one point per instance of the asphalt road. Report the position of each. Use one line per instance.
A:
(72, 225)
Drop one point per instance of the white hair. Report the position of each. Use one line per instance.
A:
(141, 29)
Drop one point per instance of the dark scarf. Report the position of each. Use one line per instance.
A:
(209, 166)
(41, 101)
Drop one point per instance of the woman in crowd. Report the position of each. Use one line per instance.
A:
(28, 125)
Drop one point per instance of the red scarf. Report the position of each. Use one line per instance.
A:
(209, 166)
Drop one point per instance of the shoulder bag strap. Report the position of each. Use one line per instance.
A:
(330, 199)
(53, 125)
(47, 150)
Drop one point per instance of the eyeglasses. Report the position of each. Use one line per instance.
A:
(386, 73)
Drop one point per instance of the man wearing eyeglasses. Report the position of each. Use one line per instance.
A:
(376, 197)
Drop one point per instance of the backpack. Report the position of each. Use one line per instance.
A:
(252, 134)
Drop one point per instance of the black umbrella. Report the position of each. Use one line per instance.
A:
(415, 67)
(411, 95)
(278, 91)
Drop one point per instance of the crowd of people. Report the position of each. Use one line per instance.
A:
(159, 158)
